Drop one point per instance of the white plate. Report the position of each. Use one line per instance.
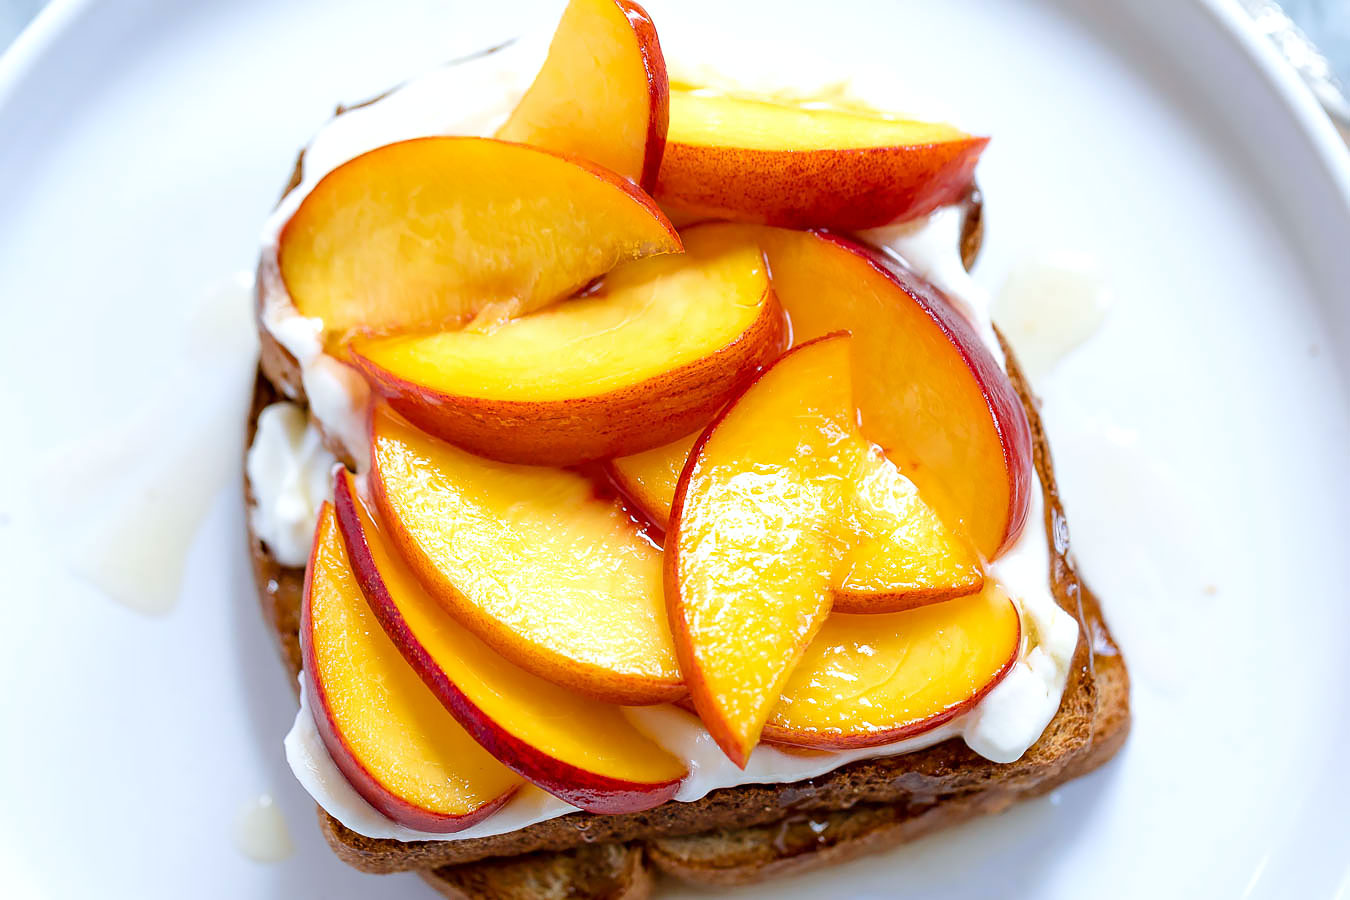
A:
(1202, 435)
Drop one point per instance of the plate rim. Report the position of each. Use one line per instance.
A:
(54, 21)
(43, 39)
(1298, 98)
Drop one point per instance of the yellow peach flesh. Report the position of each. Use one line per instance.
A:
(798, 166)
(649, 478)
(698, 117)
(927, 390)
(602, 93)
(554, 577)
(868, 680)
(431, 232)
(764, 520)
(647, 319)
(652, 352)
(394, 728)
(557, 728)
(903, 555)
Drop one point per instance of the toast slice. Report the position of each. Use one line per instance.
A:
(598, 872)
(744, 834)
(738, 835)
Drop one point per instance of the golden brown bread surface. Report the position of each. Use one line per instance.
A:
(595, 872)
(876, 802)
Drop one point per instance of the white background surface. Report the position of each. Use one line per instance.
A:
(1327, 22)
(1202, 437)
(14, 15)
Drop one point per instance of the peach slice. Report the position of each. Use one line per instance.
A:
(909, 558)
(778, 164)
(581, 750)
(554, 577)
(429, 233)
(652, 353)
(649, 478)
(900, 555)
(602, 94)
(928, 390)
(750, 555)
(869, 680)
(388, 734)
(778, 496)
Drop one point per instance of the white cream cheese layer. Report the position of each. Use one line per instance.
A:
(290, 473)
(472, 98)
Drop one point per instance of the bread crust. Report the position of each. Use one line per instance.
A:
(596, 872)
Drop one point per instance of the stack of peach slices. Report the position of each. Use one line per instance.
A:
(749, 466)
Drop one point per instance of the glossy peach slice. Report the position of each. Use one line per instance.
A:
(554, 577)
(649, 355)
(779, 164)
(871, 680)
(750, 555)
(581, 750)
(928, 390)
(388, 734)
(900, 554)
(649, 478)
(602, 94)
(766, 520)
(907, 559)
(431, 232)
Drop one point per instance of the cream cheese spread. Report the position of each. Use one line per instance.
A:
(290, 473)
(473, 98)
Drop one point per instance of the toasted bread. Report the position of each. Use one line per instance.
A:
(597, 872)
(746, 833)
